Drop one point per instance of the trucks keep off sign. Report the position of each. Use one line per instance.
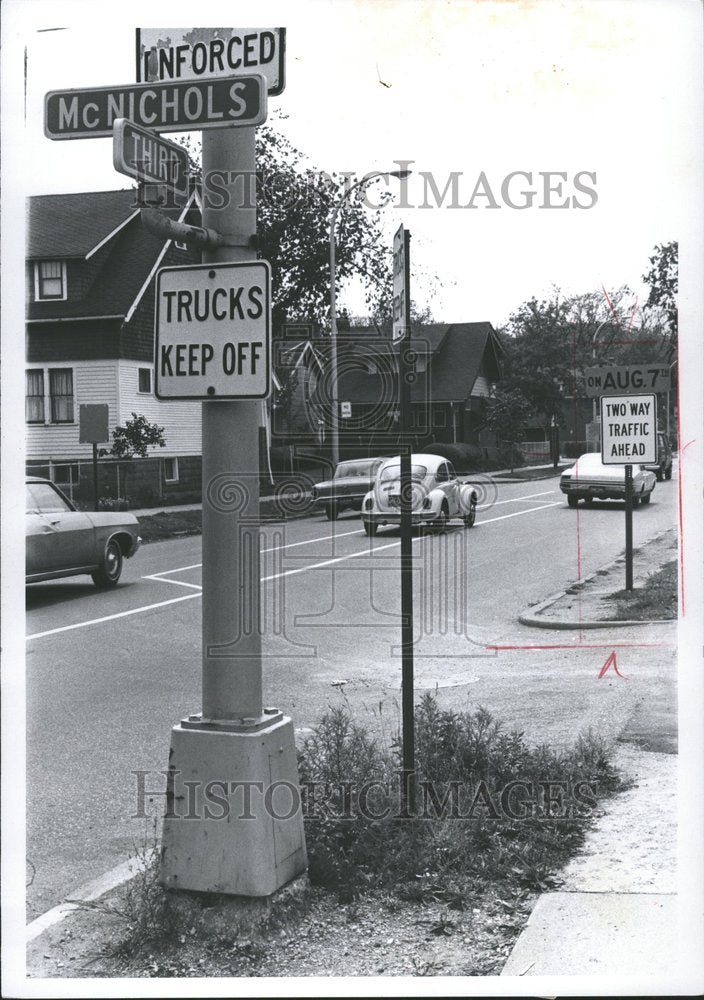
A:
(629, 429)
(213, 331)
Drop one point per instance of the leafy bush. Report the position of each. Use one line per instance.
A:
(464, 457)
(464, 760)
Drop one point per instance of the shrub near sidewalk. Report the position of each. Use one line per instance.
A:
(489, 808)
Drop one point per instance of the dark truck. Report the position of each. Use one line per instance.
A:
(349, 485)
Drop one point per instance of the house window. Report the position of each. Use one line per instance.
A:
(145, 380)
(61, 395)
(34, 396)
(49, 280)
(170, 470)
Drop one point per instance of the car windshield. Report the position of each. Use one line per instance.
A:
(352, 470)
(43, 499)
(392, 472)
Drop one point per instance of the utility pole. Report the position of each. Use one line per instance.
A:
(237, 742)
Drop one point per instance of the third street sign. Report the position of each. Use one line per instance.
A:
(144, 155)
(617, 380)
(166, 107)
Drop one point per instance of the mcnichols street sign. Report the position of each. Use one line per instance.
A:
(213, 331)
(144, 155)
(618, 379)
(166, 107)
(629, 429)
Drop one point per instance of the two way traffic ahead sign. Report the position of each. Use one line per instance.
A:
(629, 429)
(213, 331)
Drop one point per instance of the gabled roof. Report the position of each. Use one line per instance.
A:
(71, 225)
(130, 254)
(456, 353)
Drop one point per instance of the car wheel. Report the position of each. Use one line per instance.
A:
(110, 569)
(572, 501)
(441, 522)
(331, 512)
(646, 498)
(668, 473)
(369, 529)
(471, 517)
(659, 475)
(636, 501)
(588, 501)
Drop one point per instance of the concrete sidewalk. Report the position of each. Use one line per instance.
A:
(617, 912)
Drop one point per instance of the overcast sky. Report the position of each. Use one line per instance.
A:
(600, 90)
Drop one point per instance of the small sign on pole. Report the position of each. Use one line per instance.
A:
(213, 331)
(94, 427)
(400, 317)
(144, 155)
(346, 410)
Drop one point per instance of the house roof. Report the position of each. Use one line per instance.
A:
(455, 352)
(71, 225)
(126, 260)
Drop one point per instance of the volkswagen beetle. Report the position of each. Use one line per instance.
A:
(437, 495)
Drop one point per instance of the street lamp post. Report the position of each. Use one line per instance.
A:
(334, 402)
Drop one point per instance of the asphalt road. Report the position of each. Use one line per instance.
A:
(108, 674)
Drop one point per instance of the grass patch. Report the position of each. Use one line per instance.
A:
(170, 524)
(656, 600)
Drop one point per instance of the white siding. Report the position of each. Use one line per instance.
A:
(481, 386)
(93, 382)
(181, 420)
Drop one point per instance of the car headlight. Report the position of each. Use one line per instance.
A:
(368, 503)
(426, 503)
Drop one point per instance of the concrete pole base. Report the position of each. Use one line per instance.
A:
(234, 822)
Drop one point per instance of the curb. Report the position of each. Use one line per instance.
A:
(531, 619)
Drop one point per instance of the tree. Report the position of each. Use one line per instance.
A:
(137, 434)
(662, 281)
(507, 415)
(294, 206)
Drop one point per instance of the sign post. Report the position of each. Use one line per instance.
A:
(628, 434)
(94, 428)
(406, 377)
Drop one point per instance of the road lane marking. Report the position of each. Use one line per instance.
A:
(159, 577)
(528, 496)
(275, 576)
(109, 618)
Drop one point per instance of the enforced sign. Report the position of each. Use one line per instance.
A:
(213, 331)
(629, 430)
(204, 53)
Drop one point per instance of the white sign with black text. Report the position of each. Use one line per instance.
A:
(213, 331)
(629, 429)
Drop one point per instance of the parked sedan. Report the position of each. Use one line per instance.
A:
(589, 479)
(437, 495)
(350, 483)
(62, 541)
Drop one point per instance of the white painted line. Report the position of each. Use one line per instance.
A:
(109, 618)
(518, 513)
(275, 576)
(273, 548)
(528, 496)
(85, 894)
(161, 578)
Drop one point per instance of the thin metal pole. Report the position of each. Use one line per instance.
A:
(407, 683)
(95, 476)
(629, 527)
(334, 405)
(232, 666)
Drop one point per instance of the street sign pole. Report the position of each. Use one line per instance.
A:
(629, 527)
(237, 746)
(406, 378)
(95, 476)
